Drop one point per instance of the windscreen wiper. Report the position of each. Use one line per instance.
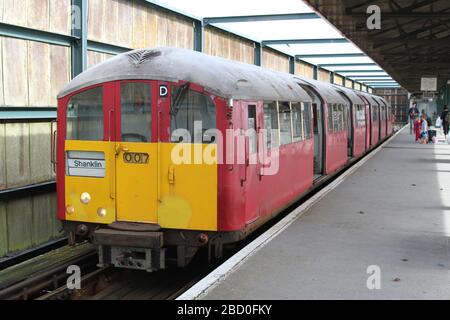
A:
(178, 98)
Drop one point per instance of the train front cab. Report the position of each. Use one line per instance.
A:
(117, 176)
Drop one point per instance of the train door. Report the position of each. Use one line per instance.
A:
(318, 129)
(251, 123)
(135, 154)
(349, 110)
(89, 172)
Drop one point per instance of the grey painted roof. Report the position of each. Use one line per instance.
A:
(351, 94)
(225, 78)
(325, 90)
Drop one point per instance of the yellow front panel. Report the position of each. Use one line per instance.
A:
(188, 192)
(137, 182)
(101, 190)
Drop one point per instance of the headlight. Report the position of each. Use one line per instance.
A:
(70, 209)
(101, 212)
(85, 198)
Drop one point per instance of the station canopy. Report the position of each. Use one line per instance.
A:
(291, 27)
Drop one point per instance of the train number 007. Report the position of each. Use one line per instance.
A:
(137, 158)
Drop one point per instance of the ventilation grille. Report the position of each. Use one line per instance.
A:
(141, 56)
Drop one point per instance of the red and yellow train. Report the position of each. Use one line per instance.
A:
(163, 151)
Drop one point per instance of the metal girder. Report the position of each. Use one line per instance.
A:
(12, 31)
(291, 65)
(347, 65)
(258, 54)
(406, 15)
(27, 114)
(199, 35)
(79, 30)
(305, 41)
(332, 55)
(315, 72)
(106, 48)
(260, 18)
(377, 80)
(360, 71)
(369, 76)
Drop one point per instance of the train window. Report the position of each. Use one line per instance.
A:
(271, 125)
(307, 120)
(85, 116)
(284, 111)
(360, 116)
(251, 124)
(330, 117)
(136, 112)
(188, 108)
(375, 113)
(297, 121)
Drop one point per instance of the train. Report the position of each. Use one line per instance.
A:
(161, 152)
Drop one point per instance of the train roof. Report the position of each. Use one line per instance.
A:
(225, 78)
(351, 94)
(324, 89)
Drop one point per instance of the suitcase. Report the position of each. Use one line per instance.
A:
(431, 134)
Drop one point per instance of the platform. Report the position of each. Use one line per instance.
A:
(392, 212)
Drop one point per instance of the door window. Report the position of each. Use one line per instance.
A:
(285, 122)
(252, 126)
(271, 125)
(136, 112)
(85, 116)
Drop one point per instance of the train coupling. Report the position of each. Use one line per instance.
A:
(130, 249)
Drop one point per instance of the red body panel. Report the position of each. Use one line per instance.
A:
(359, 142)
(383, 124)
(259, 196)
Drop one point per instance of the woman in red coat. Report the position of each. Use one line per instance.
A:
(417, 128)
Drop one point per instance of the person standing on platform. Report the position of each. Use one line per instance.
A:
(417, 128)
(412, 113)
(424, 130)
(445, 121)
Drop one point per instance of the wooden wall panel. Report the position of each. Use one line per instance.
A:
(32, 72)
(96, 58)
(304, 70)
(222, 44)
(139, 27)
(323, 75)
(38, 14)
(43, 219)
(39, 74)
(47, 15)
(15, 12)
(131, 24)
(19, 223)
(275, 61)
(60, 16)
(2, 157)
(59, 70)
(18, 151)
(15, 75)
(125, 14)
(338, 80)
(2, 98)
(40, 165)
(348, 83)
(3, 230)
